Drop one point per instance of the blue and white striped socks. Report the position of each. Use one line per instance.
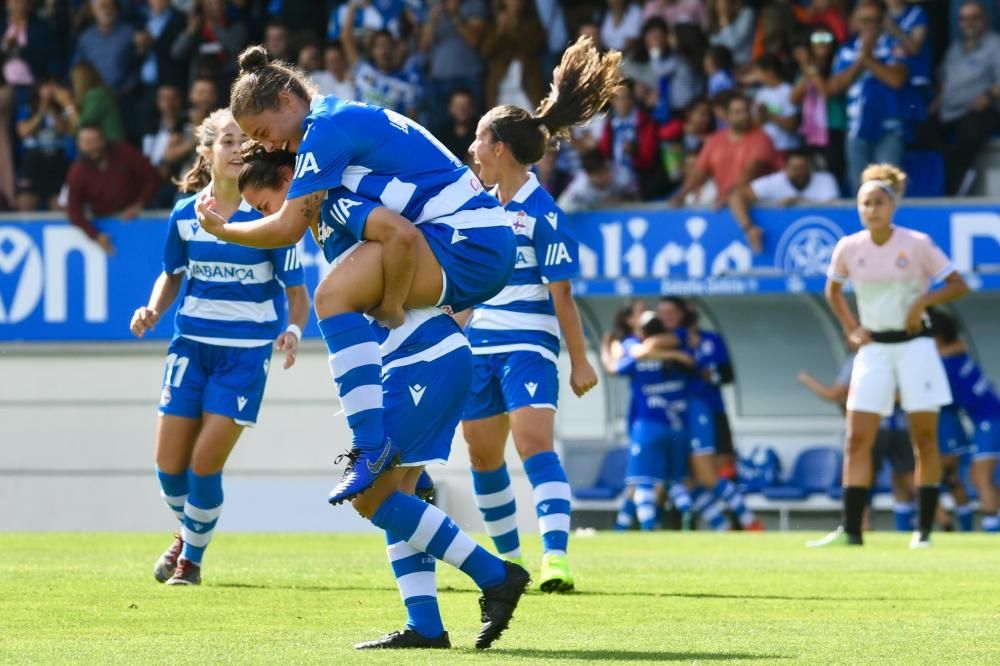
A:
(495, 498)
(551, 492)
(417, 582)
(356, 364)
(727, 492)
(201, 513)
(626, 514)
(174, 491)
(680, 498)
(427, 529)
(708, 507)
(645, 506)
(964, 515)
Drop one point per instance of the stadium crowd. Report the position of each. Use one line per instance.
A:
(720, 93)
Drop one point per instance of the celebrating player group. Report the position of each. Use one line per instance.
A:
(418, 247)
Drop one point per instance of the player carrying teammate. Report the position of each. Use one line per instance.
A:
(232, 311)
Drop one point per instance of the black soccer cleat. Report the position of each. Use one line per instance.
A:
(498, 603)
(425, 489)
(406, 639)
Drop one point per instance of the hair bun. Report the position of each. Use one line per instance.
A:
(253, 59)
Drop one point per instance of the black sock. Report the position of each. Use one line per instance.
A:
(855, 501)
(927, 498)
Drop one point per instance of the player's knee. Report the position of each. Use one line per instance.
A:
(859, 442)
(205, 465)
(486, 460)
(529, 444)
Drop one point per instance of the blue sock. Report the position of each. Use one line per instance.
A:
(495, 498)
(727, 492)
(645, 506)
(626, 515)
(963, 514)
(680, 498)
(201, 513)
(708, 507)
(903, 513)
(550, 490)
(427, 529)
(356, 364)
(174, 491)
(415, 577)
(991, 523)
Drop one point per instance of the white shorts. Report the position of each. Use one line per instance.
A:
(913, 368)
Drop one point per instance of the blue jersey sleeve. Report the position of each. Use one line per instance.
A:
(626, 364)
(288, 266)
(323, 154)
(558, 252)
(175, 249)
(842, 60)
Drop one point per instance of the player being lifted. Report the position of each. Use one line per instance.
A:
(232, 311)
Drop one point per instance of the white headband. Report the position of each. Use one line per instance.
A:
(882, 185)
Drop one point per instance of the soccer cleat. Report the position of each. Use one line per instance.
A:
(519, 561)
(498, 603)
(838, 537)
(405, 639)
(186, 573)
(363, 468)
(556, 576)
(920, 540)
(425, 487)
(167, 563)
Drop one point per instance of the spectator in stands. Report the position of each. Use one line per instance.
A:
(153, 40)
(451, 38)
(25, 45)
(687, 76)
(719, 69)
(732, 156)
(822, 14)
(166, 148)
(907, 24)
(109, 46)
(871, 74)
(649, 66)
(621, 25)
(551, 174)
(278, 42)
(370, 17)
(513, 49)
(6, 149)
(95, 103)
(796, 183)
(377, 78)
(310, 59)
(970, 92)
(109, 178)
(203, 98)
(629, 141)
(772, 103)
(668, 66)
(460, 130)
(684, 136)
(777, 31)
(211, 41)
(705, 195)
(675, 12)
(45, 135)
(592, 187)
(731, 25)
(824, 115)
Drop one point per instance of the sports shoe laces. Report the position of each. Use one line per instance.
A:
(352, 458)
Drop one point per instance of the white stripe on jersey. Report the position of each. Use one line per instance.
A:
(446, 346)
(475, 218)
(191, 231)
(520, 346)
(353, 173)
(224, 271)
(397, 194)
(526, 257)
(243, 343)
(503, 320)
(451, 198)
(414, 319)
(522, 292)
(228, 310)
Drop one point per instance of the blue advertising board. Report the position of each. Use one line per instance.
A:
(55, 284)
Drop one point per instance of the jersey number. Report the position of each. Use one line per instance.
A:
(176, 367)
(404, 124)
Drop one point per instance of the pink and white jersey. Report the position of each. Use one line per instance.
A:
(888, 278)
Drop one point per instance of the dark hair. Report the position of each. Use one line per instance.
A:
(722, 57)
(582, 85)
(798, 152)
(653, 326)
(944, 325)
(262, 168)
(690, 317)
(199, 175)
(732, 96)
(593, 161)
(769, 62)
(639, 52)
(689, 110)
(261, 79)
(90, 125)
(461, 91)
(335, 44)
(620, 328)
(691, 44)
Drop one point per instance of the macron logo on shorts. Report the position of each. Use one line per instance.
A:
(241, 402)
(532, 387)
(457, 237)
(417, 393)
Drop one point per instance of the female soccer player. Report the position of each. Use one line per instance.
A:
(515, 335)
(464, 256)
(231, 313)
(426, 368)
(890, 268)
(974, 394)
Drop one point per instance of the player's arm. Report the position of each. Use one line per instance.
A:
(611, 355)
(164, 292)
(298, 317)
(654, 354)
(954, 288)
(834, 293)
(398, 237)
(582, 376)
(836, 393)
(285, 227)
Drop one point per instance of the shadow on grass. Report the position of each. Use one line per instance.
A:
(622, 655)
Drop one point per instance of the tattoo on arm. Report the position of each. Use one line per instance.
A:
(311, 204)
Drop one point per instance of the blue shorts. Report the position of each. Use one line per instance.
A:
(423, 405)
(657, 454)
(211, 378)
(952, 439)
(504, 382)
(701, 426)
(986, 441)
(477, 263)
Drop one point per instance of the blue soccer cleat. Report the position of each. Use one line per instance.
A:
(363, 468)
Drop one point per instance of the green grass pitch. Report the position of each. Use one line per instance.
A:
(673, 597)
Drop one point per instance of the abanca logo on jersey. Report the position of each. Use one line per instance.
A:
(208, 271)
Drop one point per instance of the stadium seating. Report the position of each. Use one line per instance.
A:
(610, 481)
(816, 470)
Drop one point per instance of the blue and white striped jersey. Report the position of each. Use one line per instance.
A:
(386, 157)
(522, 317)
(660, 389)
(234, 295)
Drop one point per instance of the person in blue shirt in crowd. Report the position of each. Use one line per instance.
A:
(232, 313)
(977, 397)
(515, 335)
(869, 70)
(378, 78)
(657, 420)
(907, 24)
(461, 252)
(425, 372)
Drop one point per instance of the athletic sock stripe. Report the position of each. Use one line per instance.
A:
(499, 512)
(202, 515)
(494, 500)
(400, 550)
(198, 539)
(430, 520)
(361, 399)
(459, 550)
(174, 500)
(501, 526)
(551, 490)
(557, 522)
(508, 545)
(345, 360)
(412, 564)
(417, 584)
